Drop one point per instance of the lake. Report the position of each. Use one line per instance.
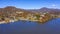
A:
(27, 27)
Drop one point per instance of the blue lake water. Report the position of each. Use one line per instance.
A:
(26, 27)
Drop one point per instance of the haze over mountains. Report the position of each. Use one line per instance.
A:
(12, 9)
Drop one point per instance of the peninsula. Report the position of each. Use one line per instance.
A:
(12, 14)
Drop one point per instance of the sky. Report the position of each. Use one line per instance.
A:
(30, 4)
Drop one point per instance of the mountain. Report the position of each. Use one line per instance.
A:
(12, 9)
(49, 10)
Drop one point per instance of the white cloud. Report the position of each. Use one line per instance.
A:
(53, 5)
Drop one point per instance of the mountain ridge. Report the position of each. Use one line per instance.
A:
(13, 9)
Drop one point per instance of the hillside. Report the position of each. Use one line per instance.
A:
(12, 9)
(44, 14)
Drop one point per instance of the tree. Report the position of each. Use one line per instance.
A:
(37, 16)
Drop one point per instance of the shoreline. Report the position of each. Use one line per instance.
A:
(3, 22)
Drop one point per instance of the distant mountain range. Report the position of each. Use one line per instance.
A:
(44, 9)
(12, 9)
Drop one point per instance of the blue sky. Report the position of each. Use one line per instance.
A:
(30, 4)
